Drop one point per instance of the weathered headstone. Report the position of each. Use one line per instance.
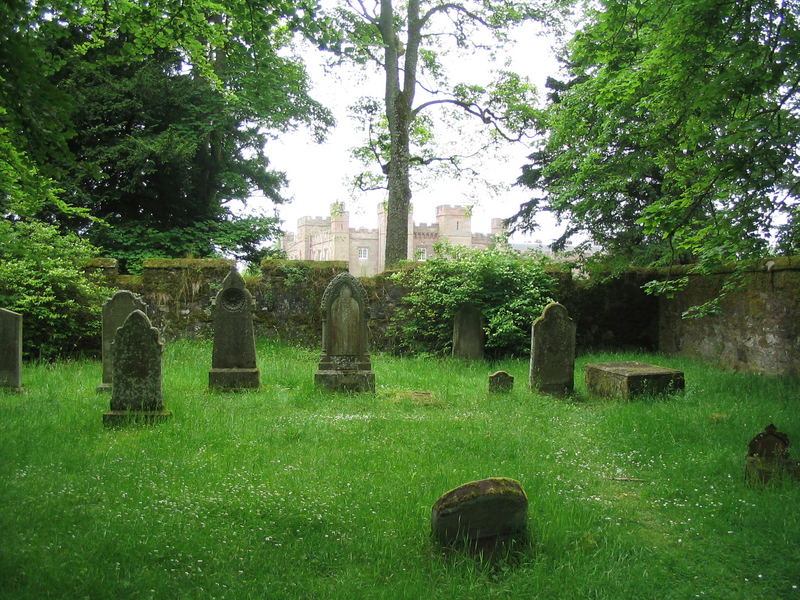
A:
(233, 362)
(553, 352)
(481, 512)
(345, 364)
(768, 456)
(468, 335)
(10, 350)
(627, 379)
(500, 382)
(136, 384)
(115, 311)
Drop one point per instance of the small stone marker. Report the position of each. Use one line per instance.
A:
(630, 378)
(481, 513)
(115, 311)
(553, 352)
(136, 386)
(10, 350)
(500, 382)
(468, 335)
(233, 362)
(768, 455)
(345, 364)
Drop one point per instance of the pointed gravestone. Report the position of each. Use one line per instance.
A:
(136, 384)
(115, 311)
(233, 364)
(345, 364)
(468, 336)
(10, 350)
(553, 352)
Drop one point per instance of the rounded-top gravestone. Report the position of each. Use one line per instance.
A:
(481, 512)
(553, 352)
(345, 363)
(136, 392)
(115, 311)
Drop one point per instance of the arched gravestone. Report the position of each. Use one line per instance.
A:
(468, 336)
(136, 386)
(115, 311)
(10, 350)
(553, 352)
(233, 362)
(345, 364)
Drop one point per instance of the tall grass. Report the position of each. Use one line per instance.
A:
(293, 492)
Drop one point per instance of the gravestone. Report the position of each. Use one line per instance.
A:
(10, 350)
(233, 362)
(136, 383)
(500, 382)
(468, 336)
(627, 379)
(481, 513)
(553, 352)
(345, 364)
(115, 311)
(768, 456)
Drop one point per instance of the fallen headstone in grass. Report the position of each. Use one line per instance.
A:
(631, 378)
(481, 514)
(500, 381)
(768, 456)
(136, 387)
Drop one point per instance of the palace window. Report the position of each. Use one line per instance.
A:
(363, 253)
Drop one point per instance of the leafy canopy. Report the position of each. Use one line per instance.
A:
(510, 289)
(674, 137)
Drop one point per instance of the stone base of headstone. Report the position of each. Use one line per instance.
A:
(104, 387)
(11, 390)
(118, 418)
(346, 381)
(631, 378)
(559, 390)
(231, 379)
(481, 514)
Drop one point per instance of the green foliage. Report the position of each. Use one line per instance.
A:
(674, 137)
(132, 241)
(41, 276)
(237, 496)
(154, 117)
(509, 288)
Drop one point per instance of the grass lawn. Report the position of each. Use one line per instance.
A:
(292, 492)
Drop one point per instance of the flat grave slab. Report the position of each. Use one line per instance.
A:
(631, 378)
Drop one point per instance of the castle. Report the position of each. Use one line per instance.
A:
(332, 238)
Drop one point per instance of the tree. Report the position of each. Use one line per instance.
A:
(406, 43)
(159, 115)
(675, 136)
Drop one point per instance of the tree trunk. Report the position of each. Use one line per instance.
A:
(398, 114)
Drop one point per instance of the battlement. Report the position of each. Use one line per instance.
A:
(426, 228)
(314, 222)
(451, 210)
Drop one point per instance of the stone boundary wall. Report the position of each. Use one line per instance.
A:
(758, 331)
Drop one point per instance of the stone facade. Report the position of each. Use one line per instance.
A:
(332, 238)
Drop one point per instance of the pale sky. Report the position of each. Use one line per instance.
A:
(319, 173)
